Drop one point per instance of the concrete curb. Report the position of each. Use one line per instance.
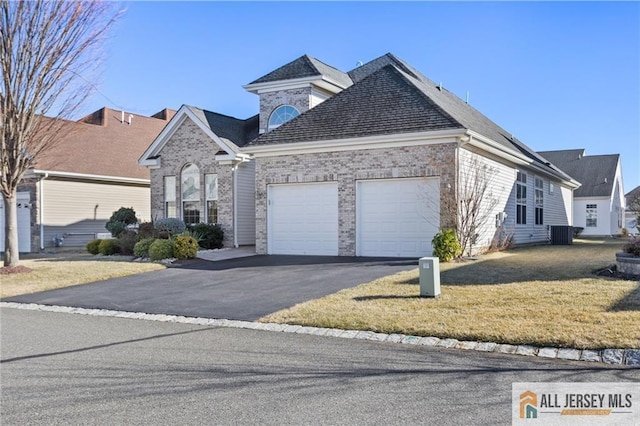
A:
(628, 357)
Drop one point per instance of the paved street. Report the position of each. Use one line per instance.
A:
(71, 369)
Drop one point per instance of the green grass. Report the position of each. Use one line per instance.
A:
(540, 295)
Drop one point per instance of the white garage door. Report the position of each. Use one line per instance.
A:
(397, 217)
(303, 219)
(24, 223)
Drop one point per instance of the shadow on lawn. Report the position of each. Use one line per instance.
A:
(630, 302)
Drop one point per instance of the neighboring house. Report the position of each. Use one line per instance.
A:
(598, 205)
(362, 163)
(75, 187)
(632, 210)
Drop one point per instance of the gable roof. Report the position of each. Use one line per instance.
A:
(391, 97)
(632, 199)
(229, 133)
(305, 66)
(596, 173)
(100, 144)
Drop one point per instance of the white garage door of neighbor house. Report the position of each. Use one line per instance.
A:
(303, 219)
(397, 217)
(24, 223)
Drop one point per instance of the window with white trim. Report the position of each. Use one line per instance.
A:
(281, 115)
(170, 196)
(190, 180)
(521, 198)
(211, 190)
(592, 215)
(539, 201)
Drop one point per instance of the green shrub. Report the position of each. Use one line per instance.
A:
(210, 236)
(161, 249)
(120, 219)
(445, 245)
(185, 247)
(127, 241)
(93, 247)
(109, 247)
(170, 225)
(141, 249)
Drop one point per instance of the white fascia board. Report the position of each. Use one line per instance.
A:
(163, 137)
(295, 83)
(183, 113)
(513, 156)
(237, 158)
(85, 176)
(353, 144)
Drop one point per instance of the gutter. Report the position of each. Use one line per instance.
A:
(234, 172)
(41, 208)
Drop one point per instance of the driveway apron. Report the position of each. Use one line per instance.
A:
(242, 289)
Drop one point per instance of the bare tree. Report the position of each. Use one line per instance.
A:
(475, 202)
(48, 51)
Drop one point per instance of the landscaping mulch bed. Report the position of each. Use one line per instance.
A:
(6, 270)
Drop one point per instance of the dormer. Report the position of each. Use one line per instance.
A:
(295, 88)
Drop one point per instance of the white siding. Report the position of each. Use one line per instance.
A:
(557, 205)
(604, 216)
(79, 210)
(499, 197)
(246, 204)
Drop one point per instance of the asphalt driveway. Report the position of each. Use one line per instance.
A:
(242, 288)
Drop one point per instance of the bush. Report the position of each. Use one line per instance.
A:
(445, 245)
(577, 230)
(632, 247)
(127, 241)
(141, 249)
(185, 247)
(120, 219)
(170, 225)
(109, 247)
(161, 249)
(93, 247)
(146, 230)
(210, 236)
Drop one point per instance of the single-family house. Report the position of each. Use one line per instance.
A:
(70, 193)
(370, 162)
(632, 210)
(598, 205)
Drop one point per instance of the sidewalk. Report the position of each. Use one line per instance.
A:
(226, 253)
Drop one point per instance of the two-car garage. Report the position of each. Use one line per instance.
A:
(393, 217)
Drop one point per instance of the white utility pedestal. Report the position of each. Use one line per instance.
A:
(429, 277)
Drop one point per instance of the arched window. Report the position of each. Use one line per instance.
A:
(281, 115)
(190, 182)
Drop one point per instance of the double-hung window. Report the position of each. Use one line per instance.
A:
(592, 215)
(521, 198)
(211, 183)
(539, 201)
(170, 196)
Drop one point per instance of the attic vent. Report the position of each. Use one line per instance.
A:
(359, 64)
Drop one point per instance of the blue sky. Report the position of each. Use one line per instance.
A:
(556, 75)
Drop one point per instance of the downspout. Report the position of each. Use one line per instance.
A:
(41, 209)
(234, 171)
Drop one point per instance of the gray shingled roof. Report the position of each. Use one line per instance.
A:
(384, 102)
(390, 96)
(631, 198)
(238, 131)
(596, 173)
(305, 66)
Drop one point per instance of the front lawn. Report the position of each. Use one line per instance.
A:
(56, 272)
(540, 295)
